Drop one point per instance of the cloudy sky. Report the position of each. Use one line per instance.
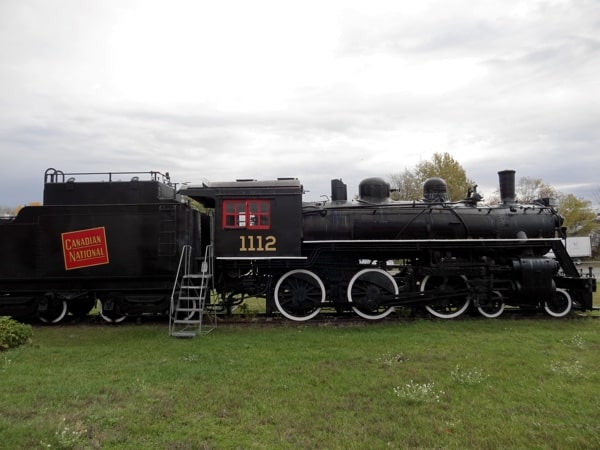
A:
(219, 90)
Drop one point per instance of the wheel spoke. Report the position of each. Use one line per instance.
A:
(451, 289)
(55, 312)
(561, 305)
(298, 294)
(368, 291)
(493, 306)
(111, 316)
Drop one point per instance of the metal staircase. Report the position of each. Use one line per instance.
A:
(189, 295)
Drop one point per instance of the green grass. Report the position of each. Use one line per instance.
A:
(416, 384)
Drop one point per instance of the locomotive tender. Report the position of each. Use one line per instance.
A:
(117, 241)
(120, 242)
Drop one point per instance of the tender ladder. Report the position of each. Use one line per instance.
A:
(189, 295)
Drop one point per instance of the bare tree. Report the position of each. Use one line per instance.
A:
(596, 195)
(406, 185)
(529, 189)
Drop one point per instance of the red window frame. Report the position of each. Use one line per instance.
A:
(251, 214)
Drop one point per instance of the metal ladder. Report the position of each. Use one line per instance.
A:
(167, 237)
(189, 295)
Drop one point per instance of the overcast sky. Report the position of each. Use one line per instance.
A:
(219, 90)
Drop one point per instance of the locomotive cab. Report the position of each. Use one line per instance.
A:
(254, 220)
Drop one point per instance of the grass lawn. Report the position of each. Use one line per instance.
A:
(473, 383)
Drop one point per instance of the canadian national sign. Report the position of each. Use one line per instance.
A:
(84, 248)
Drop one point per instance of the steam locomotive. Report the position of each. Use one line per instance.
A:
(122, 242)
(373, 255)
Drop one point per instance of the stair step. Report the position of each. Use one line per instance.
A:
(184, 334)
(188, 321)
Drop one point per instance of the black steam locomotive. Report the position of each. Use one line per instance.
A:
(373, 254)
(121, 242)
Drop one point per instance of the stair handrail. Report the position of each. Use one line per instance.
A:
(184, 263)
(207, 263)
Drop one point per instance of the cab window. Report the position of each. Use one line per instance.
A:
(247, 214)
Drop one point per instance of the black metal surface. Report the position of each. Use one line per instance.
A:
(143, 227)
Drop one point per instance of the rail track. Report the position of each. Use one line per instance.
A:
(324, 319)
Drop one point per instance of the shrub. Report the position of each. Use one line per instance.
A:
(13, 333)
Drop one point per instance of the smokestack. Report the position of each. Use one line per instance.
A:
(338, 191)
(507, 186)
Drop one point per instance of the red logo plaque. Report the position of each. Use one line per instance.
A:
(84, 248)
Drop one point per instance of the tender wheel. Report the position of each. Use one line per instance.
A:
(561, 305)
(493, 307)
(369, 288)
(451, 304)
(109, 315)
(55, 312)
(298, 295)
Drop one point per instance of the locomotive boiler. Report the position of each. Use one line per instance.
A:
(375, 216)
